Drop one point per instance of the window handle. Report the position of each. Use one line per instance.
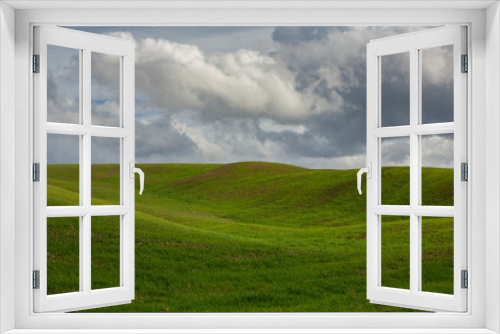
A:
(368, 171)
(139, 171)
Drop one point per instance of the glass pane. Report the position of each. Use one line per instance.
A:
(63, 170)
(437, 84)
(395, 251)
(437, 169)
(105, 89)
(63, 255)
(63, 85)
(105, 171)
(105, 252)
(437, 254)
(395, 91)
(395, 173)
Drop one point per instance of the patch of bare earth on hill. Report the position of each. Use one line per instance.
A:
(432, 256)
(230, 170)
(174, 217)
(241, 257)
(181, 243)
(238, 257)
(250, 193)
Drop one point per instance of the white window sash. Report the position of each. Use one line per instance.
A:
(415, 297)
(86, 297)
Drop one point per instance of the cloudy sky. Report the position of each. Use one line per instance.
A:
(293, 95)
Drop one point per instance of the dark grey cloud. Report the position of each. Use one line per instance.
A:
(210, 39)
(105, 150)
(325, 136)
(334, 65)
(155, 142)
(63, 149)
(395, 89)
(159, 141)
(63, 84)
(294, 35)
(437, 150)
(437, 85)
(395, 151)
(105, 89)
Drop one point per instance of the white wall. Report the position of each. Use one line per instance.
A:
(187, 17)
(7, 160)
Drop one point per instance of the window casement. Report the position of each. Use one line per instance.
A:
(413, 46)
(85, 132)
(473, 318)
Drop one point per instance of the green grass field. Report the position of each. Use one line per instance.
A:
(249, 237)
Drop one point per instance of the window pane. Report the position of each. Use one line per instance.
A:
(395, 252)
(63, 85)
(437, 84)
(105, 89)
(105, 171)
(63, 170)
(437, 254)
(395, 91)
(437, 169)
(63, 255)
(395, 173)
(105, 252)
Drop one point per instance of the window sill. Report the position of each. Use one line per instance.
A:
(251, 331)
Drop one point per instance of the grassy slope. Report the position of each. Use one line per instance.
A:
(249, 237)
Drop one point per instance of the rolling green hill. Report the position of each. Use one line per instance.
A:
(249, 237)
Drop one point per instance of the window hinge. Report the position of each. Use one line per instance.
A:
(465, 64)
(36, 172)
(464, 171)
(36, 279)
(465, 279)
(36, 63)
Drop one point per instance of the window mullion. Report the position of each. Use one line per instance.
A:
(414, 173)
(80, 160)
(85, 243)
(418, 117)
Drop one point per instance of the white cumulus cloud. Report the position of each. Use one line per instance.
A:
(239, 84)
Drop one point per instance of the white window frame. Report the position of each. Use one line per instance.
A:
(482, 19)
